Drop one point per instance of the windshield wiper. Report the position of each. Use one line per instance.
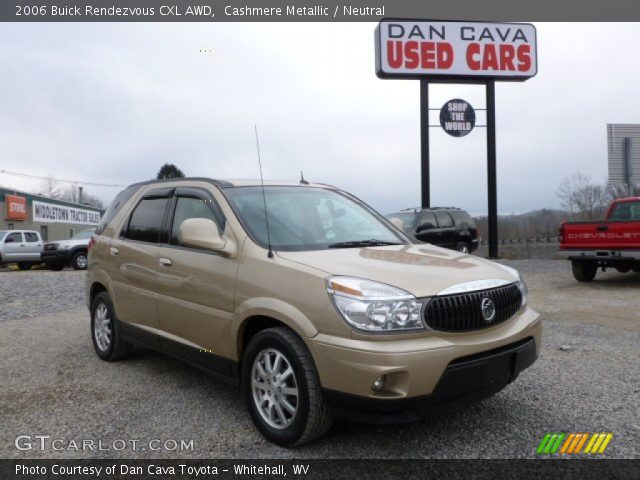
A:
(362, 243)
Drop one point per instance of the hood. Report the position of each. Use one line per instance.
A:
(422, 270)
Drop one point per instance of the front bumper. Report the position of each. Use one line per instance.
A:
(424, 375)
(55, 256)
(465, 381)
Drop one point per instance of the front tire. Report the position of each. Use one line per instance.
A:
(79, 261)
(282, 389)
(584, 271)
(105, 330)
(24, 266)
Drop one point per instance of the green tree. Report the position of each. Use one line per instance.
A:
(169, 170)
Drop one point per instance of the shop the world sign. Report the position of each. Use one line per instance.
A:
(410, 48)
(52, 213)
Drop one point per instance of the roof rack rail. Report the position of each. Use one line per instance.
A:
(417, 209)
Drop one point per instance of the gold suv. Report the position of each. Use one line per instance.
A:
(309, 299)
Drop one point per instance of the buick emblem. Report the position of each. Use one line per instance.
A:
(488, 309)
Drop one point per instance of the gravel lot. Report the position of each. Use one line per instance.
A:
(51, 382)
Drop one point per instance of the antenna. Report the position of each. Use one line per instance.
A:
(302, 180)
(264, 197)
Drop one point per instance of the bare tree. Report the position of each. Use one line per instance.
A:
(50, 187)
(70, 194)
(621, 190)
(92, 200)
(584, 199)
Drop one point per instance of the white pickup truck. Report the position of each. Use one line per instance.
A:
(22, 247)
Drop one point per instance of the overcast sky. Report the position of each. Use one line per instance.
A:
(112, 102)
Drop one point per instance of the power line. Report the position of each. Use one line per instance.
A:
(63, 180)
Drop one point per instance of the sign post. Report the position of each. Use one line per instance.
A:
(424, 143)
(436, 51)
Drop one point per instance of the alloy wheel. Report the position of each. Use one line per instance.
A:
(275, 388)
(102, 327)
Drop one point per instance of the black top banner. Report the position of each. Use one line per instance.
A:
(313, 11)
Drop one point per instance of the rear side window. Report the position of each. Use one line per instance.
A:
(115, 207)
(31, 237)
(444, 220)
(428, 218)
(146, 220)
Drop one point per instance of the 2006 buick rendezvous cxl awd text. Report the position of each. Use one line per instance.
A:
(320, 308)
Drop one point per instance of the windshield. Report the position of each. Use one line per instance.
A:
(3, 233)
(84, 234)
(308, 218)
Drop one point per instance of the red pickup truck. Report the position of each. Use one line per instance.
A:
(614, 242)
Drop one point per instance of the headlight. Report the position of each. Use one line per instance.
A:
(524, 290)
(522, 285)
(373, 306)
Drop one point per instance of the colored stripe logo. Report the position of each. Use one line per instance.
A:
(574, 443)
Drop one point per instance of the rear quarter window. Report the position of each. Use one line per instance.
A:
(115, 207)
(462, 217)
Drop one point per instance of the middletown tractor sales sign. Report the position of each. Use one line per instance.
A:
(425, 48)
(52, 213)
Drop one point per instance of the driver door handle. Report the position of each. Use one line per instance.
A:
(114, 251)
(164, 261)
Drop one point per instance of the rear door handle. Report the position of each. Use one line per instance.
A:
(114, 251)
(164, 261)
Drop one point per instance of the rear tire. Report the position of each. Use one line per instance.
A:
(462, 247)
(24, 266)
(263, 387)
(105, 330)
(79, 261)
(584, 271)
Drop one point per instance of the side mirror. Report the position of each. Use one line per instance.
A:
(201, 233)
(425, 226)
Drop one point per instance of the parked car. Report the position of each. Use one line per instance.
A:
(68, 253)
(614, 242)
(306, 297)
(21, 247)
(447, 227)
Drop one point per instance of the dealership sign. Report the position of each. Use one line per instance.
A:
(457, 117)
(16, 207)
(53, 213)
(429, 48)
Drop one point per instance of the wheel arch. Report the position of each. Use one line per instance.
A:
(259, 314)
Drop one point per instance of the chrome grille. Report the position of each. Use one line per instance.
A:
(463, 312)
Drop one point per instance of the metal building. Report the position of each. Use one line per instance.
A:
(623, 147)
(54, 219)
